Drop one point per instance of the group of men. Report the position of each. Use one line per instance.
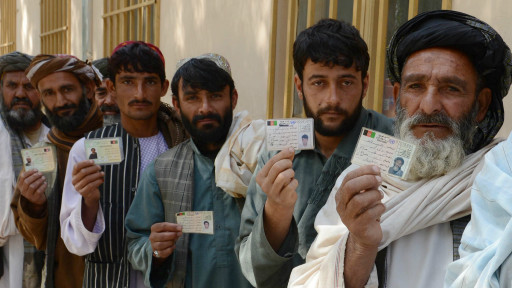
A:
(305, 218)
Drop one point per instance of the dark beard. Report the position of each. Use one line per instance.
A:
(215, 136)
(345, 126)
(71, 122)
(21, 119)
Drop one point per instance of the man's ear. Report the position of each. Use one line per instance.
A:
(111, 88)
(366, 80)
(484, 101)
(298, 86)
(396, 91)
(91, 90)
(176, 103)
(234, 99)
(165, 87)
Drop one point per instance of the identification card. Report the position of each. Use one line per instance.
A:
(104, 150)
(393, 156)
(196, 221)
(42, 158)
(296, 133)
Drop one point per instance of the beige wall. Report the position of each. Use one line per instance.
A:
(496, 13)
(238, 30)
(28, 22)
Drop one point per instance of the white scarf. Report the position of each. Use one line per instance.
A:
(238, 157)
(410, 206)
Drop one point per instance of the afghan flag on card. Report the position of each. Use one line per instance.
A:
(271, 123)
(369, 133)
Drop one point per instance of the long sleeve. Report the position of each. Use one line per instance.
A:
(77, 238)
(146, 209)
(33, 229)
(7, 182)
(485, 246)
(261, 265)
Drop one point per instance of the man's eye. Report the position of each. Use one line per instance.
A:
(347, 83)
(318, 83)
(414, 86)
(453, 89)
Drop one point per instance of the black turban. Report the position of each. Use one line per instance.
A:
(479, 41)
(102, 65)
(14, 61)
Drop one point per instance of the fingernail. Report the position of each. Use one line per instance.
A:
(376, 169)
(291, 149)
(44, 178)
(379, 179)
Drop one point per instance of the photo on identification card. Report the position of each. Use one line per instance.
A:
(392, 155)
(104, 150)
(195, 221)
(42, 158)
(297, 133)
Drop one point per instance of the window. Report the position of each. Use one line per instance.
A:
(7, 26)
(55, 26)
(376, 20)
(130, 20)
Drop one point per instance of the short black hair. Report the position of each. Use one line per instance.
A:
(331, 42)
(202, 74)
(305, 136)
(401, 159)
(136, 57)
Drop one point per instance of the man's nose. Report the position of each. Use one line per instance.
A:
(431, 101)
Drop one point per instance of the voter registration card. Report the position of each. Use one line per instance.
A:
(104, 150)
(392, 155)
(297, 133)
(43, 159)
(196, 221)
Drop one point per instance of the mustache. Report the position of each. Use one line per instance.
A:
(21, 100)
(109, 108)
(332, 108)
(139, 102)
(437, 118)
(212, 116)
(67, 106)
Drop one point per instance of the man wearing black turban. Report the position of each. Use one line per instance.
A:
(450, 72)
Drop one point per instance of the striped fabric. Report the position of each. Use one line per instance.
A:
(108, 265)
(174, 172)
(458, 226)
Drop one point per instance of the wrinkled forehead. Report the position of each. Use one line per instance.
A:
(15, 76)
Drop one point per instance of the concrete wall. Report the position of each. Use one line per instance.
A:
(496, 13)
(238, 30)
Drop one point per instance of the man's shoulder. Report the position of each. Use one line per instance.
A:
(379, 122)
(174, 151)
(105, 131)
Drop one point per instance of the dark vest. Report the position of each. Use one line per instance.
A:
(108, 265)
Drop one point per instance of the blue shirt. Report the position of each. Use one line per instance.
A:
(211, 260)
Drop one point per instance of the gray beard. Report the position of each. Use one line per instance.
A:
(436, 157)
(111, 119)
